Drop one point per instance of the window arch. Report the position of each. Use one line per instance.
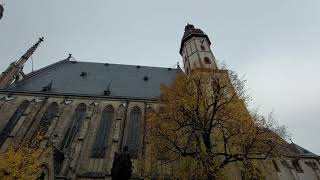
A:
(207, 60)
(52, 111)
(100, 144)
(13, 121)
(134, 131)
(45, 173)
(74, 127)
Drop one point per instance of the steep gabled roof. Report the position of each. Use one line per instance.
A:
(296, 149)
(93, 79)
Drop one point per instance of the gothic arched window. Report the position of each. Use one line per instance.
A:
(13, 121)
(44, 173)
(134, 131)
(51, 112)
(74, 127)
(207, 60)
(100, 144)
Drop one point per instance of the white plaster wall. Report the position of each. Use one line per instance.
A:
(193, 56)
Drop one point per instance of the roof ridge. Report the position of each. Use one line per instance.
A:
(300, 149)
(127, 65)
(34, 73)
(46, 67)
(127, 80)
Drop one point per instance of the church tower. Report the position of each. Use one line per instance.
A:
(14, 71)
(195, 50)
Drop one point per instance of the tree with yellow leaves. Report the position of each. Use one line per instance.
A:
(203, 126)
(22, 162)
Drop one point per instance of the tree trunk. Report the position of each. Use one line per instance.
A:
(206, 141)
(211, 177)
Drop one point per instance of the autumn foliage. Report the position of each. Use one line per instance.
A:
(22, 162)
(203, 127)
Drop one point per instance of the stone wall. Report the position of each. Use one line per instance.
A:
(79, 164)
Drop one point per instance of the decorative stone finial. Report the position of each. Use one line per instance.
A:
(188, 27)
(29, 52)
(41, 39)
(69, 56)
(47, 87)
(107, 92)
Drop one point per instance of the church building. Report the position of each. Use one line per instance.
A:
(88, 111)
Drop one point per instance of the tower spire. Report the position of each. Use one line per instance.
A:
(14, 71)
(27, 54)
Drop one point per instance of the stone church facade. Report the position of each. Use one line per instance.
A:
(88, 111)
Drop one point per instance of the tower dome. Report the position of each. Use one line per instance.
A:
(189, 27)
(189, 32)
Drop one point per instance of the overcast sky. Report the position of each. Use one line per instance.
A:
(275, 44)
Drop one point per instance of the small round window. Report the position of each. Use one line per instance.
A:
(207, 60)
(202, 47)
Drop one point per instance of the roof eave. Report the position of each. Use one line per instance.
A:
(11, 92)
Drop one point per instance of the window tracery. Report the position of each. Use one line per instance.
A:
(51, 112)
(78, 117)
(13, 121)
(100, 144)
(134, 131)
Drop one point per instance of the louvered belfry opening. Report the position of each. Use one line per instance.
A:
(52, 111)
(134, 131)
(74, 127)
(102, 135)
(13, 121)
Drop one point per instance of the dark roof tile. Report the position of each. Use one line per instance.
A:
(125, 80)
